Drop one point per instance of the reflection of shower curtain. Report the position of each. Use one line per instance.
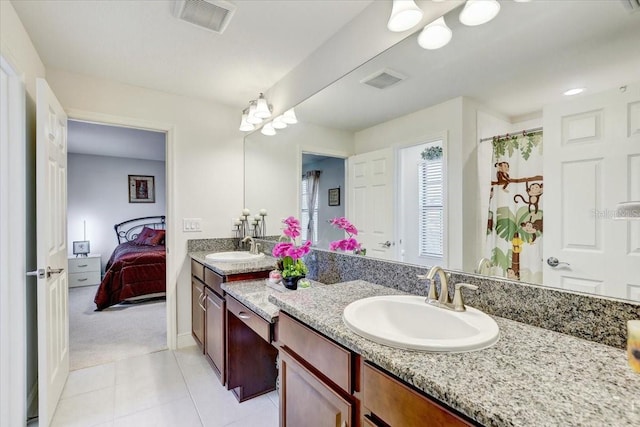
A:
(514, 228)
(313, 180)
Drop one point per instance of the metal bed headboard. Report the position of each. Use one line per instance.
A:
(128, 230)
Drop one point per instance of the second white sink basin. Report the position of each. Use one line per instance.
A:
(408, 322)
(233, 256)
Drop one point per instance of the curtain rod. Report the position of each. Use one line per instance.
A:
(533, 130)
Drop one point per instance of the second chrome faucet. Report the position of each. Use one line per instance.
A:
(444, 301)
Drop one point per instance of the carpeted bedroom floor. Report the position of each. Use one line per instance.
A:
(118, 332)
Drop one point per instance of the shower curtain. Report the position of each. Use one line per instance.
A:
(514, 228)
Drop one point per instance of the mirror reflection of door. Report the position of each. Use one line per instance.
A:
(328, 173)
(421, 196)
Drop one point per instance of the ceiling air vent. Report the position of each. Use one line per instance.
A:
(214, 15)
(383, 79)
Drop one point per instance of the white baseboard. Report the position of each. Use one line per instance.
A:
(185, 340)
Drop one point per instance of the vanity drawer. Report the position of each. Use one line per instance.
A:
(214, 281)
(84, 279)
(197, 270)
(398, 405)
(249, 318)
(324, 355)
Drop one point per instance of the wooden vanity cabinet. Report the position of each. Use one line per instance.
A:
(317, 378)
(197, 311)
(388, 402)
(251, 359)
(215, 332)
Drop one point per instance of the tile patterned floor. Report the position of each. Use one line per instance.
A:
(167, 388)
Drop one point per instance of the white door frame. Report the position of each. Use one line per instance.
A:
(172, 300)
(13, 330)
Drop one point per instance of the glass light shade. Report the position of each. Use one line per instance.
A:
(251, 116)
(262, 108)
(289, 117)
(268, 129)
(628, 210)
(435, 35)
(245, 126)
(405, 14)
(478, 12)
(279, 123)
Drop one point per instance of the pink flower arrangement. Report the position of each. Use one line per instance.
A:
(350, 243)
(288, 253)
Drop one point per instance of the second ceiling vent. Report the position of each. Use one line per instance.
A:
(383, 79)
(214, 15)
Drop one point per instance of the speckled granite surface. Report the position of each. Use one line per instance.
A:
(212, 245)
(255, 295)
(226, 268)
(531, 377)
(597, 319)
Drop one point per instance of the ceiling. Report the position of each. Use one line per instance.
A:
(523, 59)
(104, 140)
(141, 43)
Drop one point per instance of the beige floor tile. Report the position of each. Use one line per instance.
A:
(85, 410)
(147, 392)
(180, 412)
(90, 379)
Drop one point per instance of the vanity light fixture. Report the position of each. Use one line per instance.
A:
(405, 14)
(268, 129)
(279, 123)
(251, 115)
(289, 117)
(627, 210)
(478, 12)
(245, 126)
(575, 91)
(435, 35)
(263, 111)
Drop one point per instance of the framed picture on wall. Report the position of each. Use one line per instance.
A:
(334, 196)
(142, 189)
(81, 247)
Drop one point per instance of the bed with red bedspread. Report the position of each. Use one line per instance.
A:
(136, 269)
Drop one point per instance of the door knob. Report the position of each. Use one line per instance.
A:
(553, 262)
(41, 273)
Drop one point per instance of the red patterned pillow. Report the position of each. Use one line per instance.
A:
(150, 237)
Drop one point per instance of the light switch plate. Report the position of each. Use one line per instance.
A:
(192, 225)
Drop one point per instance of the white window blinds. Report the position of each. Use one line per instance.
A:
(431, 206)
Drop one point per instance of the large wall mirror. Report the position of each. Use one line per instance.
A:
(425, 181)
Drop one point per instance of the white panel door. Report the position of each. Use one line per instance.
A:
(51, 205)
(592, 162)
(370, 205)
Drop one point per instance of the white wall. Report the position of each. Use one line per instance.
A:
(17, 48)
(207, 160)
(332, 176)
(98, 194)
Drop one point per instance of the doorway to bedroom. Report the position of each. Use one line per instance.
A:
(115, 174)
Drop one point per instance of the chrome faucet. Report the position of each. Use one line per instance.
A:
(253, 247)
(444, 301)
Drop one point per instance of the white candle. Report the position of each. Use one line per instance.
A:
(246, 212)
(257, 217)
(237, 222)
(263, 212)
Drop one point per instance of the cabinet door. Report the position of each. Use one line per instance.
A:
(214, 330)
(197, 311)
(306, 401)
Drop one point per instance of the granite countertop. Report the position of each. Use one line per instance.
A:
(531, 377)
(226, 268)
(254, 294)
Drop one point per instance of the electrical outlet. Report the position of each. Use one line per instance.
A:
(192, 225)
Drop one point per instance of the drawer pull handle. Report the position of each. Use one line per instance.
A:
(243, 315)
(83, 265)
(82, 280)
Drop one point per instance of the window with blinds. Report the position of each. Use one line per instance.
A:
(431, 208)
(304, 215)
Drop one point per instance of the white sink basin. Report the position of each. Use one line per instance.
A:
(234, 256)
(408, 322)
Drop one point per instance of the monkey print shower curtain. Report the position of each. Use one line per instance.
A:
(514, 228)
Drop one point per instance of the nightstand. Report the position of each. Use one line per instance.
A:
(84, 271)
